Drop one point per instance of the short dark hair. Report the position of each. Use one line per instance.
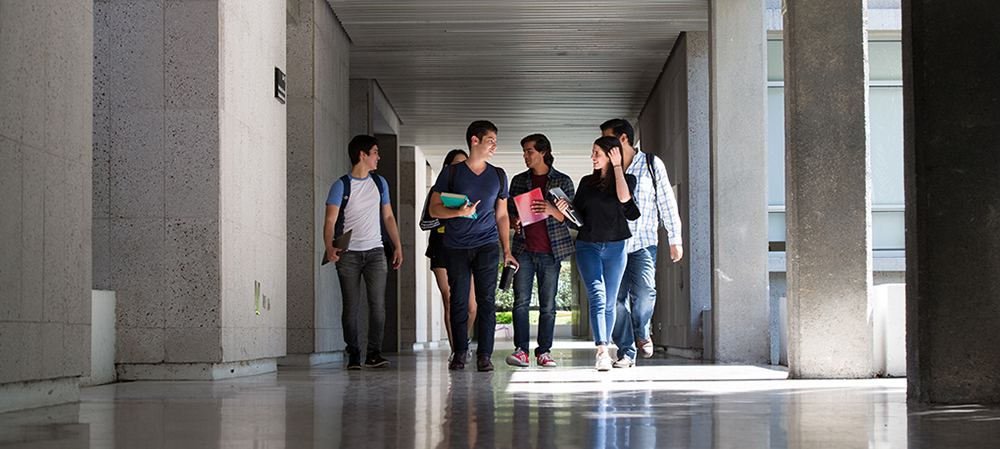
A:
(478, 128)
(605, 143)
(542, 145)
(360, 142)
(452, 154)
(619, 126)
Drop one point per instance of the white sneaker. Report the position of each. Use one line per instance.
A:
(624, 362)
(467, 357)
(603, 361)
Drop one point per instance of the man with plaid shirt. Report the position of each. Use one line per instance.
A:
(539, 249)
(657, 205)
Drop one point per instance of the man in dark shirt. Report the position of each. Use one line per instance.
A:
(539, 248)
(471, 250)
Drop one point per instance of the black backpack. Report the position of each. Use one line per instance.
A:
(338, 228)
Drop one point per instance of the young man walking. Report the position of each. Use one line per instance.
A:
(359, 202)
(471, 243)
(655, 198)
(539, 248)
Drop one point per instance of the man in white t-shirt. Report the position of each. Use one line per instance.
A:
(356, 203)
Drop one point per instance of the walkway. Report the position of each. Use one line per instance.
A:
(418, 403)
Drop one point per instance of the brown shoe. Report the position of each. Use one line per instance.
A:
(646, 346)
(484, 363)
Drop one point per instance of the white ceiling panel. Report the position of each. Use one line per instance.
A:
(555, 67)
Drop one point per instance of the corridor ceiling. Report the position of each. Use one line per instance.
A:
(554, 67)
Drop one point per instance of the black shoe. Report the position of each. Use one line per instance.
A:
(484, 364)
(354, 361)
(375, 361)
(455, 364)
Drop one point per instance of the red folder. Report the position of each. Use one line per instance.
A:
(523, 203)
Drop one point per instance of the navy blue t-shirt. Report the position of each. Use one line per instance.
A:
(465, 233)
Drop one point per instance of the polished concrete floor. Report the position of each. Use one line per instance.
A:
(418, 403)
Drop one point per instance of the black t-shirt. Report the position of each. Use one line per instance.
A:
(605, 219)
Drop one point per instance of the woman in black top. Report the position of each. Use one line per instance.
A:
(435, 251)
(604, 203)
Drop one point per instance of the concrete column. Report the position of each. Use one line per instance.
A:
(318, 66)
(417, 319)
(46, 118)
(738, 118)
(827, 189)
(951, 123)
(194, 184)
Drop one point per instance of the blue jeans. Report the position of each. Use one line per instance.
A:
(482, 264)
(352, 266)
(633, 316)
(601, 266)
(546, 269)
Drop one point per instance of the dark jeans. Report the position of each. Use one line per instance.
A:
(481, 264)
(352, 266)
(546, 269)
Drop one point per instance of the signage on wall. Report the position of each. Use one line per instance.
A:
(279, 85)
(260, 301)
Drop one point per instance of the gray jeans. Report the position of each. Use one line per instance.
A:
(351, 268)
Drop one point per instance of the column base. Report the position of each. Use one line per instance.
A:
(41, 393)
(687, 353)
(316, 358)
(195, 371)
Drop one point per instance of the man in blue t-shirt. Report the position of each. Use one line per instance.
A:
(471, 250)
(367, 202)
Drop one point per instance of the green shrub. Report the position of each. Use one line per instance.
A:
(505, 318)
(564, 292)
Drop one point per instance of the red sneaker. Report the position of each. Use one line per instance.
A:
(518, 358)
(545, 360)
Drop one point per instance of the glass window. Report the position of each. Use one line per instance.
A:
(775, 58)
(888, 231)
(776, 146)
(776, 226)
(886, 133)
(885, 111)
(885, 60)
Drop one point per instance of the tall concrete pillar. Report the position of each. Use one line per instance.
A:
(827, 189)
(193, 178)
(738, 118)
(318, 86)
(951, 124)
(46, 105)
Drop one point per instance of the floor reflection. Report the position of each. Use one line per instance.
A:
(420, 404)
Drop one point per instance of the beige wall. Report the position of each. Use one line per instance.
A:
(46, 60)
(318, 71)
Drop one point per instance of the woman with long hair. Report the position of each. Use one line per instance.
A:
(435, 251)
(604, 204)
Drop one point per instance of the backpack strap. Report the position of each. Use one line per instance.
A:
(338, 229)
(378, 184)
(650, 162)
(500, 177)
